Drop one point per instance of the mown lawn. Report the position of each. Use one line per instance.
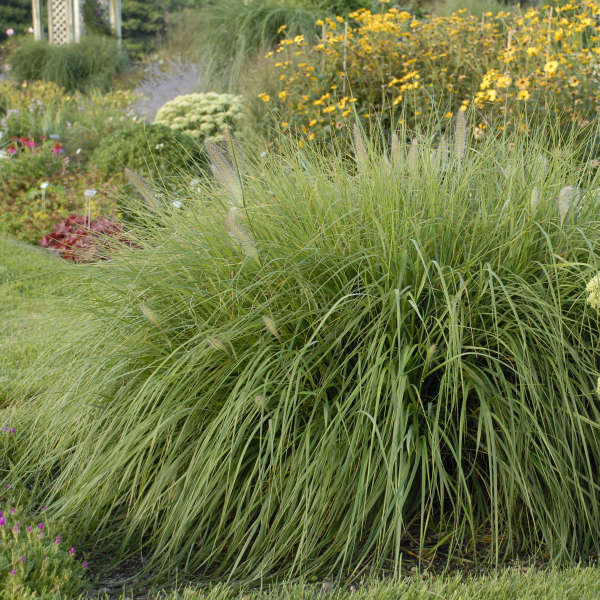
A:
(29, 278)
(569, 584)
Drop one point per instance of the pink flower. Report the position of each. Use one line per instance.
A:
(58, 149)
(72, 551)
(12, 150)
(58, 538)
(13, 572)
(10, 32)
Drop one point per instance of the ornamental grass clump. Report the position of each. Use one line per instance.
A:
(357, 363)
(204, 116)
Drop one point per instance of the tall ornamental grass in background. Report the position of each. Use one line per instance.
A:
(322, 364)
(513, 66)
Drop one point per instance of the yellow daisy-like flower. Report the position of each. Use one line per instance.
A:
(533, 51)
(550, 67)
(312, 123)
(573, 81)
(449, 115)
(282, 95)
(503, 81)
(492, 95)
(311, 137)
(523, 95)
(284, 124)
(397, 100)
(320, 22)
(264, 97)
(522, 83)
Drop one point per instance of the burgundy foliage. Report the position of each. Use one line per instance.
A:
(76, 240)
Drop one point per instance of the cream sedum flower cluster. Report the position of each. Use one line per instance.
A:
(203, 116)
(593, 291)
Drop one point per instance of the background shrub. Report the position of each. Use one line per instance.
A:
(202, 116)
(90, 64)
(357, 359)
(154, 149)
(16, 15)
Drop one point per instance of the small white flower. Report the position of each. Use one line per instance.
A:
(44, 184)
(78, 151)
(89, 193)
(263, 153)
(177, 204)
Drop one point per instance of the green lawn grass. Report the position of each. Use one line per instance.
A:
(570, 584)
(29, 277)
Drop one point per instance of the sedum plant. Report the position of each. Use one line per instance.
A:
(204, 116)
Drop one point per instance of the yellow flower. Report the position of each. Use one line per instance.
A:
(282, 95)
(523, 95)
(491, 95)
(503, 81)
(346, 113)
(301, 143)
(312, 123)
(311, 137)
(281, 28)
(522, 83)
(573, 81)
(284, 124)
(264, 97)
(397, 100)
(550, 67)
(449, 115)
(339, 19)
(299, 39)
(533, 50)
(320, 22)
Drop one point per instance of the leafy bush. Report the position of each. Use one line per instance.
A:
(43, 108)
(509, 66)
(148, 148)
(90, 64)
(203, 116)
(15, 15)
(35, 562)
(40, 186)
(81, 240)
(365, 360)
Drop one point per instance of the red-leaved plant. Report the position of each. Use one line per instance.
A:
(77, 240)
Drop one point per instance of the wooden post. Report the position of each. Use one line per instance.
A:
(37, 19)
(115, 17)
(77, 20)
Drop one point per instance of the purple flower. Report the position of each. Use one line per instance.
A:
(13, 430)
(58, 538)
(45, 558)
(22, 559)
(85, 564)
(72, 551)
(9, 486)
(2, 521)
(29, 527)
(13, 511)
(41, 526)
(6, 429)
(13, 572)
(43, 508)
(16, 529)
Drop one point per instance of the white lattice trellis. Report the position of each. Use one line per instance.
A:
(60, 22)
(65, 19)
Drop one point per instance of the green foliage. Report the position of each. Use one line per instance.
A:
(203, 116)
(156, 149)
(365, 358)
(35, 562)
(233, 32)
(16, 15)
(95, 18)
(89, 64)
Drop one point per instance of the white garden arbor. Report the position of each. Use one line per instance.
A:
(65, 19)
